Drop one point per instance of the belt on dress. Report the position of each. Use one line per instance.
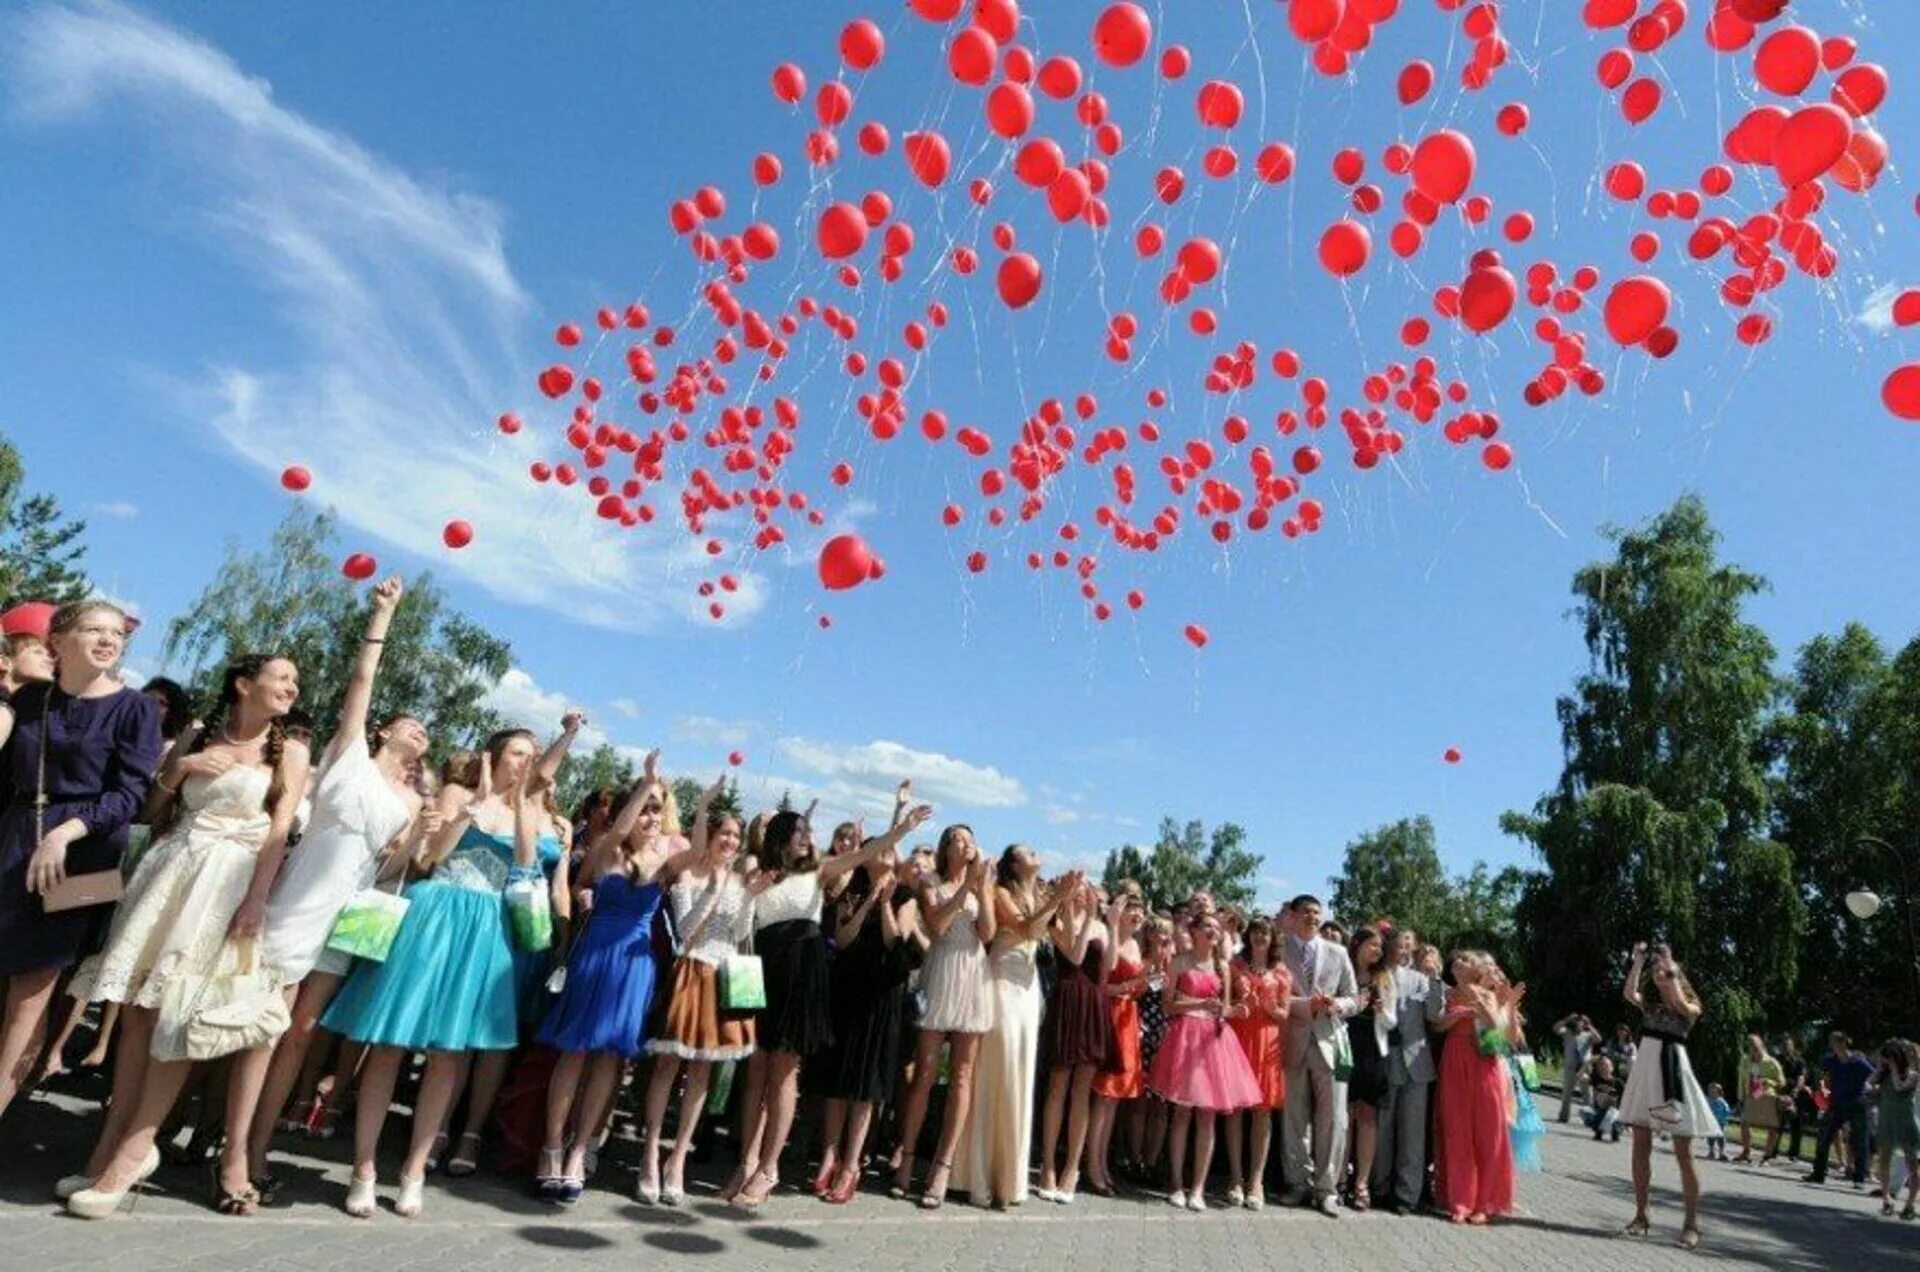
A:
(1671, 1088)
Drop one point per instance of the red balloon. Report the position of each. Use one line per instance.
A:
(843, 231)
(1200, 260)
(1443, 166)
(297, 479)
(1810, 142)
(1220, 104)
(1001, 18)
(845, 561)
(1059, 78)
(1275, 162)
(1601, 14)
(737, 758)
(1039, 162)
(1486, 298)
(1906, 308)
(1901, 392)
(1314, 20)
(928, 156)
(1416, 81)
(1010, 109)
(937, 10)
(1122, 34)
(1860, 89)
(1641, 99)
(1019, 280)
(1067, 194)
(1636, 308)
(1452, 755)
(972, 56)
(1860, 167)
(1497, 456)
(1344, 248)
(789, 83)
(861, 44)
(1787, 60)
(1196, 635)
(457, 534)
(359, 567)
(1513, 119)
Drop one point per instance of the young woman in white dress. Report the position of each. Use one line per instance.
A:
(203, 885)
(367, 815)
(1662, 1094)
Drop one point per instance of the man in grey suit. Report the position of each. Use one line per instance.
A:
(1400, 1161)
(1325, 993)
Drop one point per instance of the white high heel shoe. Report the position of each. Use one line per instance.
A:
(412, 1198)
(71, 1184)
(362, 1196)
(88, 1202)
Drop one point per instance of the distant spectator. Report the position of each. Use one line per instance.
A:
(1723, 1113)
(1603, 1100)
(1762, 1082)
(1847, 1074)
(1578, 1038)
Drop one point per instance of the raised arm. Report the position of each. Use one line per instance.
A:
(366, 666)
(548, 768)
(1631, 990)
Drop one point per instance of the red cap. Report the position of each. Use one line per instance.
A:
(29, 618)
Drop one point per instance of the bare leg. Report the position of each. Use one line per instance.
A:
(699, 1072)
(1689, 1180)
(29, 995)
(245, 1077)
(102, 1041)
(1157, 1117)
(164, 1078)
(833, 1125)
(1262, 1140)
(966, 1050)
(129, 1079)
(1177, 1148)
(659, 1091)
(595, 1100)
(1079, 1109)
(1056, 1106)
(288, 1064)
(753, 1121)
(436, 1097)
(561, 1089)
(377, 1080)
(489, 1071)
(913, 1114)
(1202, 1149)
(859, 1121)
(57, 1050)
(1642, 1172)
(1099, 1141)
(1235, 1137)
(1365, 1136)
(781, 1098)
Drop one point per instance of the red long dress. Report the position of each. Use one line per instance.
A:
(1474, 1159)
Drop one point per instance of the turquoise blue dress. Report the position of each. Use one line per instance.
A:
(447, 984)
(610, 974)
(531, 968)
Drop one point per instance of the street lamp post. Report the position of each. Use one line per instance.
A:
(1864, 904)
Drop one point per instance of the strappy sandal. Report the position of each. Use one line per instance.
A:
(1906, 1212)
(236, 1204)
(461, 1165)
(1638, 1228)
(267, 1187)
(934, 1198)
(1689, 1239)
(748, 1198)
(902, 1180)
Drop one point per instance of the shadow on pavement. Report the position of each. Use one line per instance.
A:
(564, 1238)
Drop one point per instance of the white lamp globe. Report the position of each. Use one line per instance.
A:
(1863, 903)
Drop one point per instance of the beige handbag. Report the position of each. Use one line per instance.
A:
(236, 1007)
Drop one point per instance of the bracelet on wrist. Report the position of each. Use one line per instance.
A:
(373, 640)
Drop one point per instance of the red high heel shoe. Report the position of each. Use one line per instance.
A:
(822, 1182)
(844, 1187)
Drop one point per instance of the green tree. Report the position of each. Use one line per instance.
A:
(1394, 872)
(1185, 860)
(687, 792)
(1656, 829)
(603, 768)
(1848, 742)
(40, 548)
(291, 599)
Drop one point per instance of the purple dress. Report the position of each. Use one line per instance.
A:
(101, 754)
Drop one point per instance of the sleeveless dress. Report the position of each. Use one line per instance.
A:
(990, 1162)
(101, 756)
(955, 977)
(869, 976)
(1125, 1076)
(1662, 1092)
(793, 959)
(1369, 1082)
(1079, 1031)
(1201, 1063)
(610, 973)
(356, 815)
(173, 917)
(1473, 1152)
(447, 984)
(1263, 1038)
(710, 915)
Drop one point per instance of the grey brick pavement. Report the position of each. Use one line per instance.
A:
(1753, 1218)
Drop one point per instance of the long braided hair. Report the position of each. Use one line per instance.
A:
(245, 667)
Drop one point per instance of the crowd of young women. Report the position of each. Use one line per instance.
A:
(732, 967)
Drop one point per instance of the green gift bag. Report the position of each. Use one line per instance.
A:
(721, 1088)
(743, 985)
(1342, 1057)
(367, 924)
(1529, 1073)
(530, 913)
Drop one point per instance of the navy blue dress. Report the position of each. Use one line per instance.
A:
(101, 754)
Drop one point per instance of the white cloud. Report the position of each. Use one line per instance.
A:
(119, 510)
(626, 707)
(406, 307)
(1061, 815)
(1876, 312)
(876, 767)
(703, 730)
(523, 702)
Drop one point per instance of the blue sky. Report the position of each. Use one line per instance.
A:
(251, 236)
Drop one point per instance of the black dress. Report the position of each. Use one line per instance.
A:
(1079, 1027)
(793, 958)
(100, 757)
(869, 979)
(1369, 1082)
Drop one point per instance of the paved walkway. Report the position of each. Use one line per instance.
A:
(1753, 1218)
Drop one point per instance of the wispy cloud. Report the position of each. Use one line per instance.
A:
(1876, 311)
(119, 510)
(406, 307)
(522, 701)
(870, 770)
(707, 731)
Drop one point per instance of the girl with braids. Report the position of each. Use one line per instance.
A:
(797, 1022)
(367, 816)
(1201, 1069)
(79, 755)
(710, 913)
(446, 986)
(221, 813)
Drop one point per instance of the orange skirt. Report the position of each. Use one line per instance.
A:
(1125, 1077)
(697, 1027)
(1264, 1045)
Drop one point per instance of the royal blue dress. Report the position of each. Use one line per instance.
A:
(610, 975)
(532, 968)
(447, 984)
